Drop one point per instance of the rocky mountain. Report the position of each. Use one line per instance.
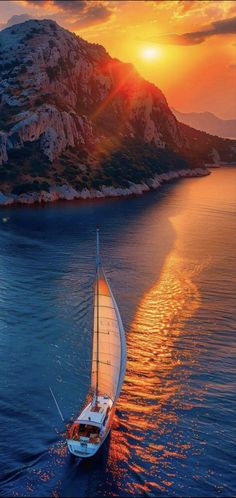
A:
(208, 122)
(72, 116)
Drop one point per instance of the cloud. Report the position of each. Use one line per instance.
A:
(76, 13)
(71, 5)
(185, 8)
(94, 15)
(35, 3)
(179, 10)
(224, 27)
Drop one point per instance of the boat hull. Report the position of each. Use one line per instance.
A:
(86, 449)
(83, 450)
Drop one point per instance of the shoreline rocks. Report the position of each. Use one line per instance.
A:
(68, 193)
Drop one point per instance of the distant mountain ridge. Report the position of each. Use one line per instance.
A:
(208, 122)
(72, 116)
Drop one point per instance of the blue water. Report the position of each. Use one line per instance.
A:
(170, 259)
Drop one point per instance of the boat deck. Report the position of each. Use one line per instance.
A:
(95, 415)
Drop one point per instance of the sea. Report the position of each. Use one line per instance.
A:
(170, 258)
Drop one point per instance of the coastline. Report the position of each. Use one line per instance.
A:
(68, 193)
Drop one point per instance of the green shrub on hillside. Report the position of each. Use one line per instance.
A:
(28, 187)
(135, 162)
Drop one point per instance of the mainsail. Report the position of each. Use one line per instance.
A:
(109, 348)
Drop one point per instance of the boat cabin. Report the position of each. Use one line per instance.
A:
(90, 425)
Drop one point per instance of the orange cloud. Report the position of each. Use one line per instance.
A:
(73, 14)
(78, 13)
(94, 15)
(224, 27)
(69, 5)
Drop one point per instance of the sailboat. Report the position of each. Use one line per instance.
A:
(91, 428)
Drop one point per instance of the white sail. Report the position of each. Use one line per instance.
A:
(109, 347)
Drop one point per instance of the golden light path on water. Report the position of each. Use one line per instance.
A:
(151, 384)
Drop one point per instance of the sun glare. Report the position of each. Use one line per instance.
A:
(150, 53)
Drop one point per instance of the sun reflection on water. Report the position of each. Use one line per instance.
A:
(156, 376)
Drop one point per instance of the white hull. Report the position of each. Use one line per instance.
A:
(86, 447)
(80, 450)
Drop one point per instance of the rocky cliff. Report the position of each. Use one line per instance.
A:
(71, 115)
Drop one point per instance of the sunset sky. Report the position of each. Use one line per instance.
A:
(187, 48)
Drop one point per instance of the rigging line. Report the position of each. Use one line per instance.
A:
(104, 362)
(56, 403)
(104, 333)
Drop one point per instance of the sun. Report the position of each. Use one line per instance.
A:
(150, 53)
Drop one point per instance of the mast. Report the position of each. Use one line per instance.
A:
(97, 287)
(109, 348)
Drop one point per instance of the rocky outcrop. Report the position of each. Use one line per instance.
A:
(42, 62)
(55, 130)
